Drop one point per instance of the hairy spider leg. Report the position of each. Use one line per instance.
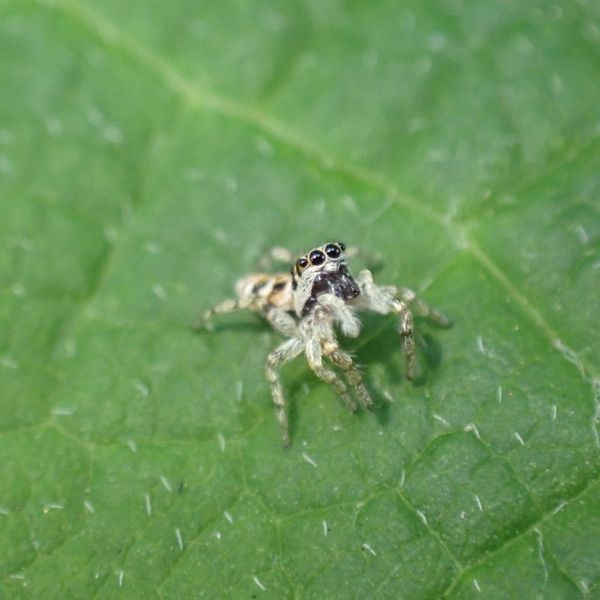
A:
(344, 361)
(314, 356)
(345, 316)
(423, 309)
(382, 299)
(282, 354)
(226, 306)
(281, 320)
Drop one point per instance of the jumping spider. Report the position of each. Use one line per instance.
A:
(306, 304)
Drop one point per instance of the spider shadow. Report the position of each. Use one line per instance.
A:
(296, 392)
(384, 348)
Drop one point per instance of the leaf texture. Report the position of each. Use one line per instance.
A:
(152, 152)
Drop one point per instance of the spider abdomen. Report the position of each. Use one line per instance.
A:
(261, 290)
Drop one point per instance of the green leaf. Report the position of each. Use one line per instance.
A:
(151, 153)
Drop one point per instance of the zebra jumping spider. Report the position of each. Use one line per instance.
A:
(306, 304)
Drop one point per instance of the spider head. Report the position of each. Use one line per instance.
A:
(326, 258)
(321, 271)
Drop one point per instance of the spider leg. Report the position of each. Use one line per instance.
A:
(344, 361)
(423, 309)
(281, 254)
(383, 299)
(314, 356)
(277, 254)
(281, 320)
(226, 306)
(283, 353)
(342, 314)
(407, 335)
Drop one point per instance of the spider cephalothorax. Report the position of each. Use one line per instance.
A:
(306, 304)
(322, 270)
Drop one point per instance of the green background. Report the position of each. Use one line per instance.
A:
(151, 152)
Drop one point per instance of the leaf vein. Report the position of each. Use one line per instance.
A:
(531, 529)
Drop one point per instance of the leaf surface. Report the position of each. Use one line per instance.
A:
(152, 152)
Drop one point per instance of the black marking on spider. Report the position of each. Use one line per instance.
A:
(340, 283)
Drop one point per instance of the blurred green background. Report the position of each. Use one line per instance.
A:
(151, 152)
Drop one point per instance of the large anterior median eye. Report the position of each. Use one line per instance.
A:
(333, 250)
(316, 258)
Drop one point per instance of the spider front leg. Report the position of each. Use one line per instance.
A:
(314, 340)
(345, 316)
(344, 361)
(283, 353)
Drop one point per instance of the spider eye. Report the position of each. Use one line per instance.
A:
(317, 258)
(342, 246)
(333, 250)
(301, 264)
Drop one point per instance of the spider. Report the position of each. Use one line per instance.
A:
(306, 305)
